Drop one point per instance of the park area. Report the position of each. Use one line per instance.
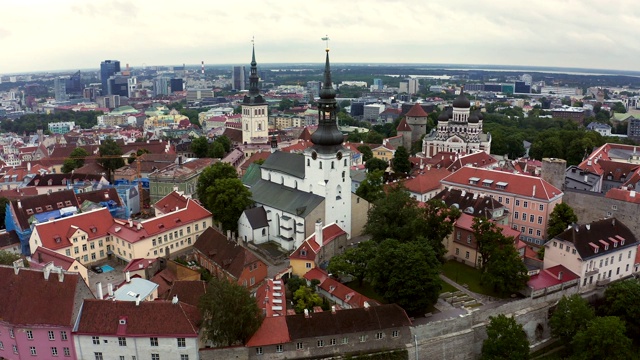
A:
(468, 277)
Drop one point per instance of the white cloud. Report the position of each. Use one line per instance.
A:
(69, 34)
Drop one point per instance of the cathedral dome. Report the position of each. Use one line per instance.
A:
(444, 115)
(473, 119)
(461, 101)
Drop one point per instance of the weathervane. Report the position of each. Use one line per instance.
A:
(326, 38)
(252, 40)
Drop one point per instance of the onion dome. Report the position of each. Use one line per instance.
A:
(461, 101)
(444, 115)
(473, 119)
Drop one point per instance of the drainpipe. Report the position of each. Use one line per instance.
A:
(415, 339)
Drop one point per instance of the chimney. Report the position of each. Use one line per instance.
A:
(632, 193)
(47, 270)
(29, 167)
(333, 309)
(110, 289)
(319, 239)
(560, 275)
(174, 300)
(19, 204)
(17, 265)
(130, 223)
(534, 191)
(139, 226)
(138, 300)
(586, 178)
(588, 226)
(127, 276)
(60, 274)
(306, 313)
(99, 290)
(180, 160)
(366, 305)
(229, 235)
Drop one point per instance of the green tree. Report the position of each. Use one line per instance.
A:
(285, 104)
(489, 238)
(200, 146)
(393, 216)
(571, 315)
(230, 315)
(226, 199)
(506, 272)
(111, 149)
(226, 143)
(68, 166)
(294, 283)
(603, 338)
(3, 211)
(354, 261)
(78, 155)
(7, 258)
(366, 152)
(306, 298)
(376, 164)
(561, 217)
(212, 173)
(216, 150)
(401, 163)
(406, 274)
(434, 223)
(373, 137)
(506, 340)
(622, 299)
(370, 188)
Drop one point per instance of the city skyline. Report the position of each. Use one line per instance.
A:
(69, 34)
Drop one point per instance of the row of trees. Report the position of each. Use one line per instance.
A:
(29, 123)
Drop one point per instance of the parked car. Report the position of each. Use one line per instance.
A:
(96, 269)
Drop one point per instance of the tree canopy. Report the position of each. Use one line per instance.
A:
(560, 218)
(200, 146)
(110, 148)
(223, 194)
(571, 315)
(230, 314)
(506, 340)
(7, 258)
(371, 187)
(305, 297)
(401, 163)
(366, 152)
(622, 299)
(602, 338)
(354, 261)
(376, 164)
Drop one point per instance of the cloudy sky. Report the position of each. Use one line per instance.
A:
(38, 35)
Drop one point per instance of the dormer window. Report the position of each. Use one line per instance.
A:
(473, 180)
(621, 242)
(29, 211)
(303, 252)
(122, 322)
(38, 209)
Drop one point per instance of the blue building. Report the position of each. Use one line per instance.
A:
(108, 68)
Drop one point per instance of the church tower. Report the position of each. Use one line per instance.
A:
(327, 162)
(255, 116)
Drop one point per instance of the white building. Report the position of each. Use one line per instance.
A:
(599, 252)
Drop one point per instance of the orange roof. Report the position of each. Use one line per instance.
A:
(337, 289)
(417, 111)
(427, 180)
(478, 159)
(623, 195)
(171, 202)
(42, 256)
(310, 246)
(516, 184)
(55, 234)
(403, 126)
(273, 331)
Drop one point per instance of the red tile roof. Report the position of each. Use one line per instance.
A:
(188, 291)
(56, 234)
(417, 111)
(403, 126)
(623, 195)
(426, 181)
(42, 256)
(27, 298)
(478, 159)
(273, 331)
(193, 212)
(270, 297)
(156, 318)
(337, 289)
(138, 264)
(517, 184)
(228, 255)
(171, 202)
(549, 277)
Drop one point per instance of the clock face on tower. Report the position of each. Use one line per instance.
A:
(339, 155)
(314, 155)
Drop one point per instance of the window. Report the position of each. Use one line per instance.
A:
(531, 218)
(541, 207)
(517, 202)
(524, 216)
(121, 357)
(539, 219)
(84, 247)
(308, 265)
(66, 351)
(468, 239)
(458, 235)
(299, 346)
(182, 342)
(530, 231)
(154, 341)
(379, 336)
(466, 256)
(573, 251)
(363, 338)
(538, 233)
(457, 251)
(620, 257)
(499, 199)
(320, 343)
(98, 355)
(525, 204)
(394, 333)
(68, 252)
(155, 356)
(332, 342)
(279, 348)
(122, 341)
(54, 351)
(345, 340)
(515, 215)
(568, 248)
(561, 246)
(92, 246)
(32, 349)
(153, 242)
(259, 350)
(507, 200)
(1, 346)
(52, 336)
(184, 357)
(618, 271)
(29, 334)
(15, 348)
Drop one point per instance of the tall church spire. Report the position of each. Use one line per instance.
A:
(254, 96)
(327, 137)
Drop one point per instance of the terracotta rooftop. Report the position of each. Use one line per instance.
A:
(138, 264)
(56, 234)
(403, 126)
(273, 331)
(623, 195)
(42, 256)
(550, 277)
(188, 291)
(171, 202)
(230, 256)
(426, 180)
(26, 207)
(417, 111)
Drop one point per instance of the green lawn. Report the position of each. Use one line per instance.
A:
(365, 290)
(463, 274)
(446, 287)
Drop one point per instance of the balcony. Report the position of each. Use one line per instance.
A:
(592, 272)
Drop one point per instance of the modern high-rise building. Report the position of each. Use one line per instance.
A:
(60, 88)
(74, 84)
(161, 86)
(108, 68)
(238, 78)
(177, 85)
(118, 85)
(377, 84)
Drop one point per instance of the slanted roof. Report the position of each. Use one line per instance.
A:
(472, 203)
(230, 256)
(42, 256)
(550, 277)
(55, 234)
(252, 175)
(291, 201)
(27, 298)
(417, 111)
(9, 238)
(426, 180)
(24, 208)
(403, 126)
(273, 331)
(137, 288)
(98, 196)
(188, 291)
(147, 318)
(286, 163)
(171, 202)
(138, 264)
(605, 235)
(346, 321)
(257, 217)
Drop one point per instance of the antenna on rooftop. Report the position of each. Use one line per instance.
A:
(326, 39)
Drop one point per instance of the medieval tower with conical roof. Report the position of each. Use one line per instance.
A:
(459, 130)
(255, 116)
(327, 162)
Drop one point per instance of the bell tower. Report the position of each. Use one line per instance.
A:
(255, 115)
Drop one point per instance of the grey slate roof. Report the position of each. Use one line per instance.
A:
(280, 197)
(257, 217)
(601, 232)
(287, 163)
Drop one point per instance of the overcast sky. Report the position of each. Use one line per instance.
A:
(38, 35)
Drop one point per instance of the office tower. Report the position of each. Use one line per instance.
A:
(118, 85)
(160, 86)
(60, 89)
(74, 83)
(377, 84)
(414, 86)
(177, 85)
(237, 78)
(108, 68)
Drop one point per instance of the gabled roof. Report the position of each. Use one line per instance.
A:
(98, 196)
(188, 291)
(286, 163)
(517, 184)
(305, 134)
(291, 201)
(309, 248)
(339, 290)
(24, 208)
(346, 321)
(158, 318)
(598, 238)
(417, 111)
(27, 298)
(9, 238)
(623, 195)
(173, 201)
(230, 256)
(425, 181)
(62, 179)
(273, 331)
(403, 126)
(261, 155)
(138, 264)
(42, 256)
(257, 217)
(477, 159)
(472, 203)
(271, 298)
(55, 234)
(550, 277)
